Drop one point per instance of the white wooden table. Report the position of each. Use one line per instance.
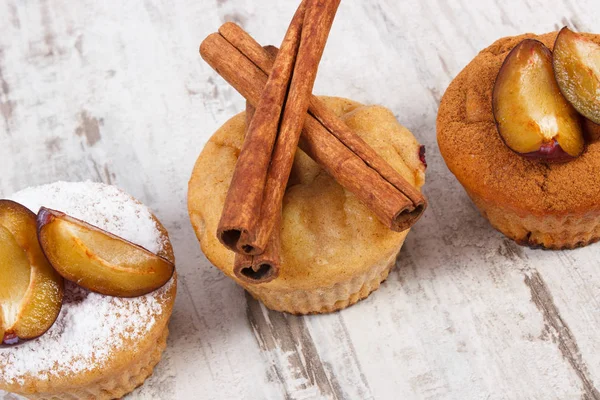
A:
(118, 93)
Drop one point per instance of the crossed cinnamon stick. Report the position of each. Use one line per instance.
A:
(280, 89)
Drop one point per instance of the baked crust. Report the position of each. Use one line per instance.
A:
(117, 383)
(528, 200)
(331, 243)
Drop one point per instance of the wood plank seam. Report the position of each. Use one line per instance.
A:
(567, 344)
(274, 332)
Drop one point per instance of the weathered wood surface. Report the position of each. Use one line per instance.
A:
(117, 93)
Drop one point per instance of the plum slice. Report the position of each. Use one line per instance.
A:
(577, 69)
(31, 291)
(532, 116)
(98, 260)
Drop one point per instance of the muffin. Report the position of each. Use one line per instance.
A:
(100, 347)
(535, 203)
(335, 252)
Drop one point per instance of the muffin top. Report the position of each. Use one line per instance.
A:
(327, 234)
(475, 153)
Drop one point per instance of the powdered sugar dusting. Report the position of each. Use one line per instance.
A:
(104, 206)
(90, 326)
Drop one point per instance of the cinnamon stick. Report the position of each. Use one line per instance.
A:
(242, 208)
(265, 267)
(336, 148)
(315, 31)
(415, 204)
(247, 221)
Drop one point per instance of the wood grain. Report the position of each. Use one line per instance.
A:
(117, 93)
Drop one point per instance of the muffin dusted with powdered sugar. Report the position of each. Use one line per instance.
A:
(100, 346)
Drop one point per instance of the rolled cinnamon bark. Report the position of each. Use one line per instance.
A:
(265, 267)
(242, 209)
(415, 203)
(336, 148)
(251, 207)
(315, 31)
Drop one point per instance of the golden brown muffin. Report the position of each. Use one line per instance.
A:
(100, 347)
(555, 206)
(334, 250)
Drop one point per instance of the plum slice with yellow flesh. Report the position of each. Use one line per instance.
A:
(31, 291)
(14, 281)
(532, 116)
(98, 260)
(577, 69)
